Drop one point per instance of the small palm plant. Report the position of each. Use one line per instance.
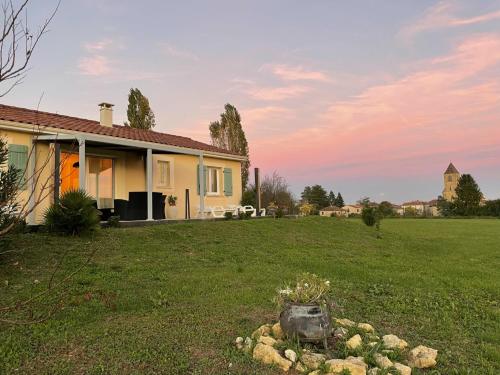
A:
(73, 214)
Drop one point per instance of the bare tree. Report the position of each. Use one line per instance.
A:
(17, 43)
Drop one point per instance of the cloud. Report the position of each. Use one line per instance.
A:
(176, 52)
(441, 16)
(295, 73)
(276, 93)
(100, 45)
(96, 65)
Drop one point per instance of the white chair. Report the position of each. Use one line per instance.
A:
(249, 209)
(262, 212)
(218, 211)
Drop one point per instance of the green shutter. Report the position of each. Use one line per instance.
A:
(18, 158)
(228, 182)
(205, 169)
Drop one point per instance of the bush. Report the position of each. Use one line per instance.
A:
(114, 221)
(279, 213)
(369, 216)
(74, 214)
(228, 215)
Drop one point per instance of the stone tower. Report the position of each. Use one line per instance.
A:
(451, 176)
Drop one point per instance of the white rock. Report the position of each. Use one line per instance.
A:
(373, 371)
(372, 344)
(394, 342)
(291, 355)
(247, 346)
(340, 332)
(270, 356)
(268, 340)
(382, 361)
(403, 370)
(354, 342)
(239, 342)
(422, 357)
(336, 366)
(366, 327)
(345, 322)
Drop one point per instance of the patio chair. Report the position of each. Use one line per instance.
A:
(217, 211)
(249, 209)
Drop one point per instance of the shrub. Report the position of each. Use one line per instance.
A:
(308, 289)
(248, 215)
(369, 216)
(279, 213)
(172, 200)
(228, 215)
(74, 214)
(114, 221)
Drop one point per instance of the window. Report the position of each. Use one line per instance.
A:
(450, 178)
(212, 180)
(99, 183)
(164, 173)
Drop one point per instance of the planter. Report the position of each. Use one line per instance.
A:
(306, 322)
(171, 212)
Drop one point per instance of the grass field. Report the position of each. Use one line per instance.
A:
(170, 299)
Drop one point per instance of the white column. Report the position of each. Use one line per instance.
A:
(201, 172)
(81, 164)
(31, 185)
(149, 182)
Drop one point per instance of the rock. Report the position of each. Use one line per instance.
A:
(382, 361)
(264, 330)
(277, 331)
(268, 340)
(291, 355)
(394, 342)
(422, 357)
(368, 328)
(312, 360)
(373, 371)
(239, 342)
(337, 366)
(340, 332)
(345, 322)
(357, 360)
(403, 370)
(300, 367)
(270, 356)
(372, 344)
(247, 345)
(317, 372)
(354, 342)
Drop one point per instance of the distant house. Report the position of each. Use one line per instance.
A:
(420, 208)
(353, 209)
(398, 210)
(333, 211)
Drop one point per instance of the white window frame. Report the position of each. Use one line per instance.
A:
(170, 182)
(208, 181)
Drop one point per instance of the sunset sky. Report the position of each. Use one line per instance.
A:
(372, 98)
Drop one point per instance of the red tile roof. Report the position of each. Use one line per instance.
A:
(53, 120)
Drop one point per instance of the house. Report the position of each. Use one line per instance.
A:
(333, 211)
(114, 163)
(398, 209)
(353, 209)
(414, 207)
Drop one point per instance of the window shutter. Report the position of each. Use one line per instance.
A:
(205, 169)
(228, 182)
(18, 158)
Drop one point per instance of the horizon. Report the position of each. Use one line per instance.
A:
(374, 103)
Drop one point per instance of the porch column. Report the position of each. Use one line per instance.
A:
(31, 186)
(201, 172)
(149, 182)
(81, 164)
(57, 171)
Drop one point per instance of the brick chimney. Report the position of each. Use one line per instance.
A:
(106, 114)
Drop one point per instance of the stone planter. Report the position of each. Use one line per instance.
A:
(172, 212)
(307, 322)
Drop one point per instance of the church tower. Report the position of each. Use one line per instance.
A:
(451, 176)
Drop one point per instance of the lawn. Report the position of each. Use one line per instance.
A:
(170, 299)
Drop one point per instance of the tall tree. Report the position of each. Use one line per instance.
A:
(139, 113)
(339, 201)
(315, 195)
(331, 198)
(468, 196)
(228, 134)
(275, 189)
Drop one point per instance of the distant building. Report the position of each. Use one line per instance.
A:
(353, 209)
(333, 211)
(451, 176)
(415, 207)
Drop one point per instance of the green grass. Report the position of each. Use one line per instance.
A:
(171, 298)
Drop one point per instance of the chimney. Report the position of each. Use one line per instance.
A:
(106, 114)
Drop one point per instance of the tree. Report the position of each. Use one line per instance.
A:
(139, 113)
(315, 195)
(9, 185)
(275, 189)
(339, 201)
(228, 134)
(386, 209)
(331, 198)
(444, 206)
(468, 196)
(17, 44)
(249, 196)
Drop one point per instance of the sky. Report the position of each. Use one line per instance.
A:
(369, 98)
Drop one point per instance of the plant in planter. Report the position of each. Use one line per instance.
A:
(172, 209)
(305, 309)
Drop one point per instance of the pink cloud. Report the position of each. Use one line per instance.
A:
(440, 16)
(296, 73)
(95, 65)
(276, 93)
(177, 52)
(442, 111)
(98, 46)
